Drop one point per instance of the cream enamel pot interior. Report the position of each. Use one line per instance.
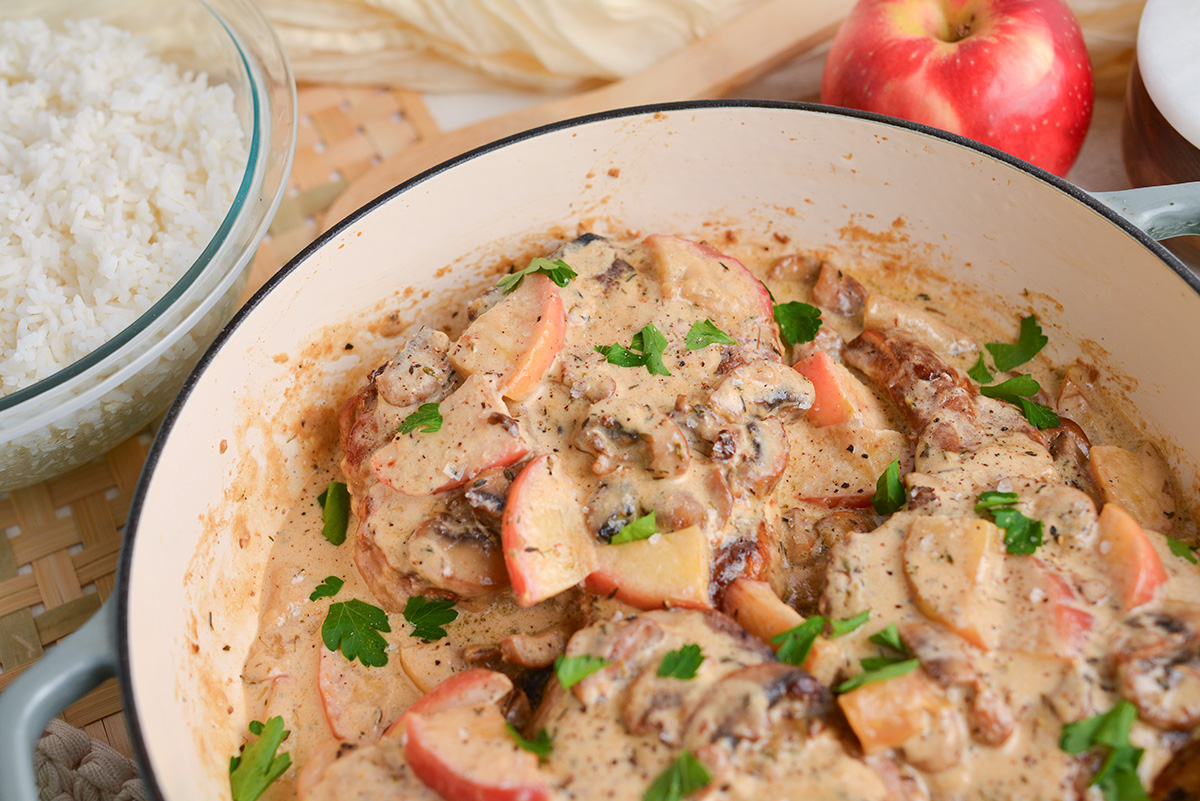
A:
(231, 456)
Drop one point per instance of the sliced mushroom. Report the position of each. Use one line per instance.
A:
(1137, 481)
(754, 455)
(838, 292)
(1180, 779)
(622, 431)
(1158, 667)
(464, 560)
(759, 390)
(535, 650)
(738, 706)
(418, 372)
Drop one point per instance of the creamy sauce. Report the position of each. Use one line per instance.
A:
(753, 472)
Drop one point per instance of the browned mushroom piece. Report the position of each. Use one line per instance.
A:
(761, 389)
(622, 431)
(418, 371)
(838, 292)
(754, 455)
(535, 650)
(1179, 780)
(453, 552)
(1158, 667)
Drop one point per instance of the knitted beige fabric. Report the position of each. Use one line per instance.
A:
(71, 766)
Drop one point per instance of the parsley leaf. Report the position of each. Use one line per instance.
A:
(353, 627)
(1182, 550)
(979, 372)
(889, 638)
(1022, 535)
(878, 669)
(1016, 391)
(571, 670)
(327, 589)
(539, 745)
(643, 528)
(1117, 777)
(798, 641)
(428, 616)
(889, 491)
(253, 770)
(798, 322)
(335, 512)
(1029, 341)
(681, 664)
(427, 418)
(681, 778)
(557, 271)
(704, 333)
(645, 350)
(840, 628)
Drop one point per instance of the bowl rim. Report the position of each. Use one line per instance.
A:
(95, 362)
(124, 673)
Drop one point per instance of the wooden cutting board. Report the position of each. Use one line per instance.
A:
(748, 47)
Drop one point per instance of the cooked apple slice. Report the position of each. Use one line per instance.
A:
(756, 607)
(428, 664)
(547, 546)
(465, 753)
(840, 397)
(360, 701)
(951, 563)
(517, 339)
(471, 688)
(719, 285)
(1043, 616)
(476, 434)
(665, 570)
(1134, 564)
(885, 713)
(1137, 481)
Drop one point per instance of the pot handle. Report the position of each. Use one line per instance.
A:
(64, 674)
(1160, 211)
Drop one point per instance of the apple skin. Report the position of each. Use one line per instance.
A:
(1013, 74)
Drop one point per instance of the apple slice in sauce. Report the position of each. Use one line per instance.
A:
(360, 701)
(464, 752)
(737, 302)
(547, 546)
(516, 340)
(1134, 564)
(471, 688)
(666, 570)
(477, 433)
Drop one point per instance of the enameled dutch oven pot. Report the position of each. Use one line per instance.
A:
(226, 466)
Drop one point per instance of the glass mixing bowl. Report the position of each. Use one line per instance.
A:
(88, 407)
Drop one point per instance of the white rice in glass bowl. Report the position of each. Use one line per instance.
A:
(118, 169)
(144, 149)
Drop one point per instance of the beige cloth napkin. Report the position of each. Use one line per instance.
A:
(70, 766)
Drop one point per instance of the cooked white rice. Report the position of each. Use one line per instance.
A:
(115, 170)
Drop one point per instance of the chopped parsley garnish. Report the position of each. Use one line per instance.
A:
(1183, 550)
(1017, 391)
(643, 528)
(878, 669)
(704, 333)
(1022, 535)
(889, 491)
(327, 589)
(889, 638)
(427, 616)
(353, 628)
(645, 350)
(539, 745)
(840, 628)
(798, 642)
(335, 512)
(1117, 777)
(1029, 341)
(798, 322)
(681, 664)
(427, 418)
(681, 778)
(557, 271)
(253, 770)
(979, 372)
(571, 670)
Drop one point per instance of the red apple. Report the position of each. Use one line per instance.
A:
(1013, 74)
(667, 570)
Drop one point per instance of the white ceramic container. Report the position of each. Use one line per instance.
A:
(225, 462)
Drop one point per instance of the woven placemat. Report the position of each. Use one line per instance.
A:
(59, 556)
